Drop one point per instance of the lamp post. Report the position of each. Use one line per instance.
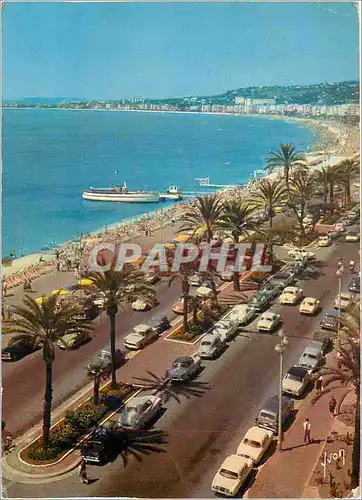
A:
(339, 274)
(280, 348)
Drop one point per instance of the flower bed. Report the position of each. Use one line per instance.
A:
(77, 423)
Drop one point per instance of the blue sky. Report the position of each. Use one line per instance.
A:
(110, 51)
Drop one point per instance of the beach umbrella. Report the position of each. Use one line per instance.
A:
(40, 300)
(60, 291)
(85, 282)
(182, 238)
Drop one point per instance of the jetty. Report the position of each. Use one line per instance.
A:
(205, 182)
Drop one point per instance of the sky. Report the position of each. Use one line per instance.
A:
(124, 50)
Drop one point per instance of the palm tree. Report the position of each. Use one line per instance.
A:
(347, 374)
(326, 177)
(236, 220)
(302, 190)
(268, 194)
(97, 372)
(118, 288)
(43, 324)
(287, 158)
(347, 171)
(183, 275)
(203, 218)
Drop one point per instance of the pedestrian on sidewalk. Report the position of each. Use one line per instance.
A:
(306, 427)
(332, 405)
(319, 384)
(83, 472)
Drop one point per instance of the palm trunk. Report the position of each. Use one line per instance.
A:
(47, 409)
(112, 321)
(286, 175)
(194, 315)
(236, 281)
(325, 200)
(348, 192)
(331, 194)
(356, 445)
(270, 216)
(185, 313)
(96, 384)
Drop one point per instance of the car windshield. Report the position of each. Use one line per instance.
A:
(267, 415)
(229, 474)
(267, 319)
(293, 376)
(180, 365)
(291, 292)
(309, 355)
(309, 303)
(206, 342)
(251, 442)
(131, 409)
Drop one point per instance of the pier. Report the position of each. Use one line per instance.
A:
(205, 182)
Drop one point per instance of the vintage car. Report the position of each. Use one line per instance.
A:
(144, 304)
(196, 279)
(282, 279)
(259, 302)
(232, 474)
(178, 306)
(268, 322)
(18, 349)
(104, 358)
(210, 346)
(151, 278)
(330, 320)
(227, 274)
(160, 323)
(270, 290)
(352, 236)
(204, 292)
(98, 448)
(355, 284)
(343, 301)
(139, 411)
(291, 295)
(184, 368)
(310, 306)
(300, 254)
(255, 443)
(225, 329)
(296, 381)
(140, 336)
(324, 241)
(312, 356)
(73, 340)
(242, 314)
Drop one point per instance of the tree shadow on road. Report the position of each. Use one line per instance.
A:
(139, 443)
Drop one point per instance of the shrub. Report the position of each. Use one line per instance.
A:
(63, 436)
(119, 392)
(85, 416)
(36, 452)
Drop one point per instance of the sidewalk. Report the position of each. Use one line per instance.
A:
(286, 474)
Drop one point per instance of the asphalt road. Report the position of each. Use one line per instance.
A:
(203, 431)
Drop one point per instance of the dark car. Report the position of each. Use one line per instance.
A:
(259, 302)
(270, 290)
(18, 350)
(355, 284)
(329, 320)
(296, 267)
(104, 358)
(99, 446)
(160, 323)
(282, 279)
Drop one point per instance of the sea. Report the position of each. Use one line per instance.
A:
(50, 156)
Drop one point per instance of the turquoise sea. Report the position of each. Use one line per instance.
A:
(51, 156)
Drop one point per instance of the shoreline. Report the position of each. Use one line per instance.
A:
(153, 217)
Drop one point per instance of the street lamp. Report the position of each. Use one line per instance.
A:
(280, 348)
(339, 274)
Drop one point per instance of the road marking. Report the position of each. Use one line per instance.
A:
(132, 354)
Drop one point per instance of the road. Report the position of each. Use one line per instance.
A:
(203, 431)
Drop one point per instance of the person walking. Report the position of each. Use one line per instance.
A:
(83, 472)
(332, 405)
(319, 384)
(306, 427)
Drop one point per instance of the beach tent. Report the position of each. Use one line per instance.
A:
(182, 238)
(61, 291)
(85, 282)
(40, 300)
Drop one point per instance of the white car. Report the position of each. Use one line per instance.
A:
(352, 236)
(300, 254)
(139, 411)
(340, 227)
(344, 300)
(255, 443)
(140, 337)
(196, 279)
(144, 305)
(225, 329)
(242, 313)
(310, 306)
(204, 292)
(291, 295)
(268, 322)
(232, 474)
(295, 381)
(324, 241)
(210, 346)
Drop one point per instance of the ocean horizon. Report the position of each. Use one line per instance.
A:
(50, 158)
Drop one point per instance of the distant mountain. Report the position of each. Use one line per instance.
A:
(42, 100)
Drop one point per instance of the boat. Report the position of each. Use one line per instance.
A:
(121, 194)
(172, 193)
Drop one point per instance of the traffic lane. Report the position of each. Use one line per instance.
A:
(23, 380)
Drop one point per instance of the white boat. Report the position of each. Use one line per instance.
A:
(121, 194)
(172, 193)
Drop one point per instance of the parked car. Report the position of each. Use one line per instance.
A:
(99, 447)
(312, 356)
(324, 241)
(347, 221)
(268, 416)
(105, 359)
(227, 274)
(242, 313)
(296, 267)
(151, 278)
(330, 320)
(310, 306)
(295, 381)
(139, 411)
(344, 301)
(291, 295)
(196, 279)
(232, 474)
(352, 236)
(145, 304)
(340, 227)
(225, 329)
(270, 290)
(255, 443)
(259, 303)
(210, 346)
(184, 368)
(300, 254)
(204, 292)
(355, 284)
(73, 340)
(159, 323)
(178, 306)
(282, 279)
(19, 350)
(268, 321)
(140, 336)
